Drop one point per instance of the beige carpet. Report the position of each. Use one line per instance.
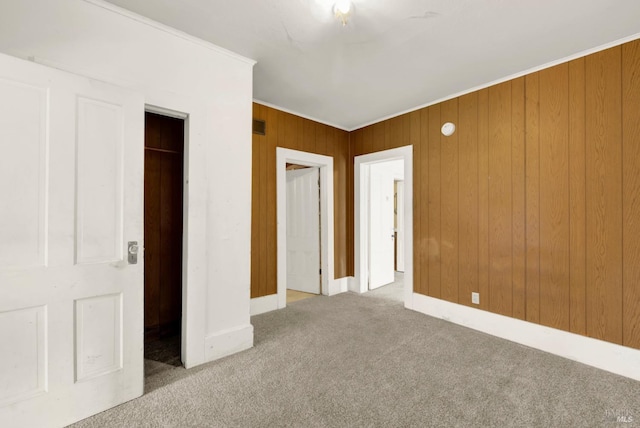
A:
(365, 361)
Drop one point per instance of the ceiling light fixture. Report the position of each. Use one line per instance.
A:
(342, 10)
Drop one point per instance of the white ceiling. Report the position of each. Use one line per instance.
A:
(393, 56)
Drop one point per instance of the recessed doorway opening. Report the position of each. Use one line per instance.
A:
(383, 222)
(163, 236)
(319, 166)
(304, 231)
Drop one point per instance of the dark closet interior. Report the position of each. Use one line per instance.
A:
(163, 215)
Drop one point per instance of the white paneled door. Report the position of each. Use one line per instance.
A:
(381, 226)
(399, 214)
(71, 197)
(303, 230)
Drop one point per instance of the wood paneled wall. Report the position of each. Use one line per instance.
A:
(293, 132)
(534, 202)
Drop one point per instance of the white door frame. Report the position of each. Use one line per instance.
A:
(400, 230)
(361, 223)
(325, 164)
(303, 229)
(185, 324)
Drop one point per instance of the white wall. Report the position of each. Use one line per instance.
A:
(180, 73)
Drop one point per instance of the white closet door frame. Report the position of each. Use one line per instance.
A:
(361, 183)
(325, 163)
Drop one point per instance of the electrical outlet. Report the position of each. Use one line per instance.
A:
(475, 298)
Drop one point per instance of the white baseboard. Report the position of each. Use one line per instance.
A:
(353, 285)
(228, 342)
(339, 285)
(260, 305)
(607, 356)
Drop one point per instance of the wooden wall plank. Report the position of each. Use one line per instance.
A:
(405, 130)
(554, 196)
(290, 132)
(300, 138)
(308, 142)
(321, 139)
(152, 231)
(604, 195)
(424, 240)
(631, 196)
(434, 204)
(368, 140)
(263, 207)
(483, 199)
(449, 184)
(165, 247)
(518, 178)
(331, 142)
(577, 203)
(532, 189)
(379, 135)
(468, 196)
(388, 133)
(270, 217)
(350, 249)
(357, 138)
(415, 130)
(500, 200)
(283, 128)
(317, 145)
(255, 211)
(171, 235)
(340, 155)
(395, 136)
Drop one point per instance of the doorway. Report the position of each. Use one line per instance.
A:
(366, 253)
(382, 228)
(163, 237)
(304, 270)
(323, 164)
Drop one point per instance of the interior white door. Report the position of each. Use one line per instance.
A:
(381, 230)
(303, 230)
(400, 226)
(71, 192)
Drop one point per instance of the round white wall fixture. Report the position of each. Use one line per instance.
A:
(448, 129)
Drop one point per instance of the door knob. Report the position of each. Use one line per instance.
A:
(132, 250)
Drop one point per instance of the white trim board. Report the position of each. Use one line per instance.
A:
(261, 305)
(607, 356)
(361, 245)
(228, 342)
(325, 164)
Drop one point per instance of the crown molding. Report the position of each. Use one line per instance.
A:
(169, 30)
